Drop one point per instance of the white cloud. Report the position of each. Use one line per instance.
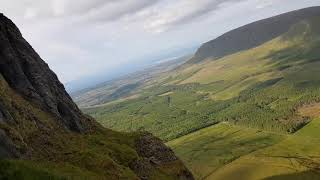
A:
(92, 10)
(30, 13)
(162, 16)
(58, 7)
(265, 3)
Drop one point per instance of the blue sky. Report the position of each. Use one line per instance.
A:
(83, 38)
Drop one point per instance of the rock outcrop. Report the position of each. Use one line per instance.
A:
(154, 153)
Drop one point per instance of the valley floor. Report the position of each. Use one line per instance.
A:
(225, 151)
(269, 95)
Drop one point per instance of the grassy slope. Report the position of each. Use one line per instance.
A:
(260, 88)
(253, 154)
(230, 152)
(60, 154)
(295, 158)
(86, 153)
(210, 148)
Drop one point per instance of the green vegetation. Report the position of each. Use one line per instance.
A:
(154, 113)
(86, 157)
(224, 142)
(245, 153)
(28, 170)
(259, 88)
(296, 157)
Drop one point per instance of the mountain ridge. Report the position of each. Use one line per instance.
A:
(252, 35)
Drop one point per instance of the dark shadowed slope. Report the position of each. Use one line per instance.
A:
(43, 134)
(252, 35)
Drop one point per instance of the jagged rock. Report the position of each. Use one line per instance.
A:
(1, 117)
(155, 153)
(29, 75)
(5, 117)
(7, 148)
(153, 148)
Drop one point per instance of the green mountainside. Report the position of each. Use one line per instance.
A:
(252, 35)
(245, 107)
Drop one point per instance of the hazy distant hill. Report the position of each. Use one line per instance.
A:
(252, 35)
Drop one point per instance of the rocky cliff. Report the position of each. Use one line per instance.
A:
(44, 134)
(26, 73)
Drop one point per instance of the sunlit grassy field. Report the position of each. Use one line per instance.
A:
(295, 158)
(207, 150)
(225, 151)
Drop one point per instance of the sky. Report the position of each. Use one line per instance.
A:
(84, 38)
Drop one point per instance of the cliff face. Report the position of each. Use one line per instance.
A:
(40, 123)
(28, 74)
(252, 35)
